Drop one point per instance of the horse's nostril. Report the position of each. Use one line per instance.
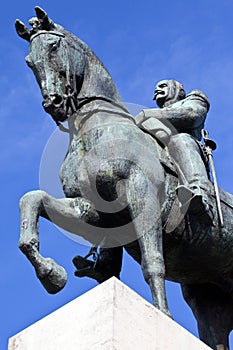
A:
(46, 104)
(57, 100)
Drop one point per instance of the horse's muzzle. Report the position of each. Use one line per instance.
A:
(55, 101)
(55, 106)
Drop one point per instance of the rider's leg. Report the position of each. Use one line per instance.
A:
(186, 153)
(193, 175)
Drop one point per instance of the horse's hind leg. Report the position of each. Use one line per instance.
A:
(146, 215)
(67, 213)
(213, 311)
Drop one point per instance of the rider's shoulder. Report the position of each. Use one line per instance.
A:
(198, 95)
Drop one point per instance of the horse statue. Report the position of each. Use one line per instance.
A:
(117, 191)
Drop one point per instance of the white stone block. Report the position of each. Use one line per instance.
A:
(108, 317)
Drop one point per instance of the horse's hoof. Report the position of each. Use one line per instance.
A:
(52, 276)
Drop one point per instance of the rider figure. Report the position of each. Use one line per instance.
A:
(178, 124)
(184, 115)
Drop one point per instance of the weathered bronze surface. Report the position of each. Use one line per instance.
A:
(121, 188)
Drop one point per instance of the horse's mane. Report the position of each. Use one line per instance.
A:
(74, 39)
(88, 52)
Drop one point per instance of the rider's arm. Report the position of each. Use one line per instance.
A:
(186, 114)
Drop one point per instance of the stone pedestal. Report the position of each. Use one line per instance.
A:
(110, 316)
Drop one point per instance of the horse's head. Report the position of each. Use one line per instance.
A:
(57, 64)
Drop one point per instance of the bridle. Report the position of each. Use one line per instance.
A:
(70, 100)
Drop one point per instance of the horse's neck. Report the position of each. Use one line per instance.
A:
(98, 113)
(97, 81)
(96, 91)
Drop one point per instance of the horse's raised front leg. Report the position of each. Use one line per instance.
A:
(68, 213)
(145, 207)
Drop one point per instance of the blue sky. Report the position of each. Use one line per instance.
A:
(140, 42)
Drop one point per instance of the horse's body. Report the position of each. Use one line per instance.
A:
(117, 191)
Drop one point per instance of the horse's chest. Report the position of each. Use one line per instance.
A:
(83, 162)
(72, 165)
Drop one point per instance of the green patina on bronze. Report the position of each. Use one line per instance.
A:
(178, 235)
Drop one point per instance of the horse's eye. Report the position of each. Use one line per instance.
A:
(54, 47)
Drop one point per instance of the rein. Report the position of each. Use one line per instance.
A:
(86, 100)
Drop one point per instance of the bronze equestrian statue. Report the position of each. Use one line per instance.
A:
(185, 117)
(122, 189)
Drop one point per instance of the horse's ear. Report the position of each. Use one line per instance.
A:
(22, 30)
(46, 22)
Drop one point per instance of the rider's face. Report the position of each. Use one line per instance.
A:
(161, 93)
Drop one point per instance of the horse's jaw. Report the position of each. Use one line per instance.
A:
(58, 114)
